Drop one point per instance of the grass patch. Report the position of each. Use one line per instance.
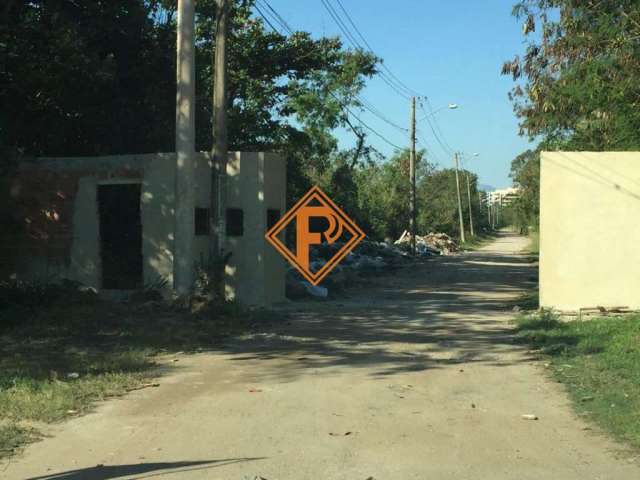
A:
(12, 437)
(529, 300)
(57, 361)
(599, 363)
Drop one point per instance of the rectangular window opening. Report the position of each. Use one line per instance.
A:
(235, 222)
(202, 221)
(273, 215)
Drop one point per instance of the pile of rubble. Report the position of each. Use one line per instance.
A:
(432, 243)
(366, 259)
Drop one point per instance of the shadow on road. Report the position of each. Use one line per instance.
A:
(443, 311)
(141, 470)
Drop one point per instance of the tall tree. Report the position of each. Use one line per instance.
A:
(525, 172)
(82, 77)
(88, 78)
(439, 206)
(577, 82)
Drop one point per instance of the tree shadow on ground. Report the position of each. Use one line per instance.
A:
(449, 310)
(141, 470)
(434, 313)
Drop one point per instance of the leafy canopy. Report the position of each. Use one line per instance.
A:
(577, 82)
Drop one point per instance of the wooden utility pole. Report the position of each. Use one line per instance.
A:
(183, 256)
(219, 153)
(470, 212)
(412, 176)
(462, 239)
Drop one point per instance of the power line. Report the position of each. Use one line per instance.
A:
(400, 83)
(354, 42)
(367, 105)
(371, 108)
(390, 78)
(431, 151)
(435, 121)
(443, 144)
(336, 18)
(266, 19)
(281, 20)
(382, 137)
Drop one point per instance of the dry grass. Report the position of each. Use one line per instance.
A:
(57, 361)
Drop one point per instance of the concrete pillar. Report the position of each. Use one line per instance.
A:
(183, 250)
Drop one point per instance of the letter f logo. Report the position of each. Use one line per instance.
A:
(315, 204)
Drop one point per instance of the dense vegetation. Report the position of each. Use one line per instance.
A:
(96, 78)
(576, 85)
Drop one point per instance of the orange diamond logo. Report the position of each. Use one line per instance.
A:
(318, 221)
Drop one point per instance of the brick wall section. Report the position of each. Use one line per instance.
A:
(41, 201)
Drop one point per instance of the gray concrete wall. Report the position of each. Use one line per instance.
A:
(590, 230)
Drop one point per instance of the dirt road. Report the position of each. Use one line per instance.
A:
(415, 378)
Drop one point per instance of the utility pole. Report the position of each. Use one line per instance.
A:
(219, 153)
(183, 266)
(412, 176)
(462, 239)
(470, 212)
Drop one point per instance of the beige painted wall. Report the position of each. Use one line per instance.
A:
(590, 230)
(256, 182)
(255, 273)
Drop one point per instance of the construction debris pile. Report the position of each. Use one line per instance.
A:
(432, 243)
(366, 259)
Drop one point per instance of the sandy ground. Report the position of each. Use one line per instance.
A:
(415, 377)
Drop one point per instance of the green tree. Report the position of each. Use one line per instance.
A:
(577, 82)
(383, 194)
(525, 171)
(439, 202)
(88, 78)
(83, 77)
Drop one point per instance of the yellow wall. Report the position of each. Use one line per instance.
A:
(590, 230)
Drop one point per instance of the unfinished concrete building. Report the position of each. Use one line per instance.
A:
(108, 222)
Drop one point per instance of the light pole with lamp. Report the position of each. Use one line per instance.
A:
(412, 167)
(471, 229)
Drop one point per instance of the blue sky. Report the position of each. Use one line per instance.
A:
(449, 50)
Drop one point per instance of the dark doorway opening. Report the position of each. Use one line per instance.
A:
(120, 236)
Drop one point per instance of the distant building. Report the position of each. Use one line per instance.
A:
(503, 196)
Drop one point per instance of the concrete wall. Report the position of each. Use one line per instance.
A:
(155, 173)
(590, 230)
(256, 272)
(256, 182)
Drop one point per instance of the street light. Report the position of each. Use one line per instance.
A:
(471, 229)
(450, 106)
(412, 167)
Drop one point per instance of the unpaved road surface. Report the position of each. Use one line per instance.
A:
(416, 377)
